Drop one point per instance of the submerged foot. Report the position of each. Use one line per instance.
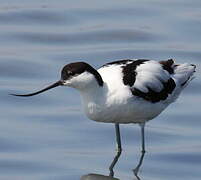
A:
(136, 170)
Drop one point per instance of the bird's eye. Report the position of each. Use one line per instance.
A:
(70, 73)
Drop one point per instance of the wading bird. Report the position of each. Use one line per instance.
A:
(125, 91)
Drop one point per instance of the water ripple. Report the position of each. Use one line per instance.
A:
(81, 38)
(38, 16)
(47, 136)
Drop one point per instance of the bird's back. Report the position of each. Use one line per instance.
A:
(144, 88)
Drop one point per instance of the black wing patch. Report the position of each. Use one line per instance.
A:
(129, 77)
(153, 96)
(119, 62)
(129, 74)
(167, 65)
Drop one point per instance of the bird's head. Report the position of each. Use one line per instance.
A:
(79, 75)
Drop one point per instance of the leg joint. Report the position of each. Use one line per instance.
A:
(119, 150)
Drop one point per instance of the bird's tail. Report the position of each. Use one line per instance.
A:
(183, 74)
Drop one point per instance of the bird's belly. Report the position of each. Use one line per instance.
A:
(134, 112)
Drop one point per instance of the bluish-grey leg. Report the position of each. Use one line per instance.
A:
(142, 125)
(136, 170)
(119, 150)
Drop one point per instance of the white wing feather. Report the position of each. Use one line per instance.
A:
(150, 74)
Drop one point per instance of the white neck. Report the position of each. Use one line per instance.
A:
(93, 98)
(92, 93)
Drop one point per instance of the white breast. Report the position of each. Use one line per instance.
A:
(114, 101)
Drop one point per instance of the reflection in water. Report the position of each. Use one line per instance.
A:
(97, 177)
(119, 150)
(116, 158)
(114, 162)
(110, 177)
(136, 170)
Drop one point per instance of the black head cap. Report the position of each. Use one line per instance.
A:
(77, 68)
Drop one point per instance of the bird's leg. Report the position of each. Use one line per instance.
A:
(136, 170)
(142, 125)
(119, 149)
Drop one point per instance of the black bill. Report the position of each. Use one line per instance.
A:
(58, 83)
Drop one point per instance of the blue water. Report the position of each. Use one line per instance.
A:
(47, 137)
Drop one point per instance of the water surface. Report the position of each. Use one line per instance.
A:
(47, 137)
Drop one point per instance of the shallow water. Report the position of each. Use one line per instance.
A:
(47, 137)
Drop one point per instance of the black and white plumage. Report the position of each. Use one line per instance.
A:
(126, 91)
(147, 79)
